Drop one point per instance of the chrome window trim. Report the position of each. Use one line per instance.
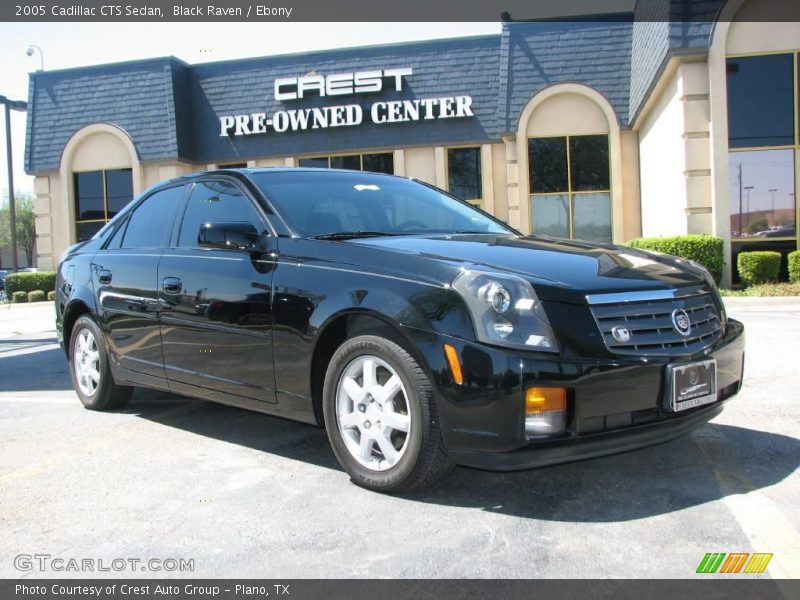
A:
(644, 296)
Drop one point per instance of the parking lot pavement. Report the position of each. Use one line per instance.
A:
(253, 496)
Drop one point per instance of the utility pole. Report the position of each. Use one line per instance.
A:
(740, 199)
(12, 214)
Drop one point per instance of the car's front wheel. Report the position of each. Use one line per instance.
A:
(381, 416)
(91, 376)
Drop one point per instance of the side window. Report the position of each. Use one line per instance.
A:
(115, 243)
(216, 202)
(150, 223)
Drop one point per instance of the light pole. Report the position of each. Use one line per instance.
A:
(772, 191)
(12, 216)
(29, 52)
(748, 188)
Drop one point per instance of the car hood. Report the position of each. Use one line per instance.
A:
(559, 269)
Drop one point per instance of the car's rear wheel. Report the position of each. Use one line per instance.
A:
(91, 376)
(381, 417)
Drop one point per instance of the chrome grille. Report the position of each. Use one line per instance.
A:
(648, 318)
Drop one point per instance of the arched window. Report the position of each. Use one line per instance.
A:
(570, 140)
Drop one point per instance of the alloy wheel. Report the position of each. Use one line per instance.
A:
(86, 362)
(372, 413)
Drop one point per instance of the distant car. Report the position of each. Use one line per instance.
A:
(420, 331)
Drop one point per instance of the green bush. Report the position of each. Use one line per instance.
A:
(758, 267)
(794, 266)
(19, 297)
(30, 281)
(51, 295)
(36, 296)
(707, 250)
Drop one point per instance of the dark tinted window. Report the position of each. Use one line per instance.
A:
(346, 162)
(317, 163)
(119, 188)
(149, 225)
(760, 101)
(588, 155)
(547, 158)
(379, 163)
(216, 202)
(464, 172)
(89, 197)
(333, 201)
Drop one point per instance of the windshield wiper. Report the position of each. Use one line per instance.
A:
(351, 235)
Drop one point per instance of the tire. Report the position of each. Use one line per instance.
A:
(380, 415)
(88, 367)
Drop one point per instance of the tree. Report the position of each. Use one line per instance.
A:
(26, 224)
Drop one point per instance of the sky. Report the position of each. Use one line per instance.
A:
(66, 45)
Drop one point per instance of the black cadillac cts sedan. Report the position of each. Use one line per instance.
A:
(418, 330)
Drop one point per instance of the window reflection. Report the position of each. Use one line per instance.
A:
(762, 185)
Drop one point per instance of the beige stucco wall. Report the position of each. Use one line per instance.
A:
(631, 201)
(420, 163)
(674, 154)
(661, 162)
(567, 114)
(500, 181)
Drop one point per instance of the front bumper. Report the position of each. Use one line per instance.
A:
(614, 405)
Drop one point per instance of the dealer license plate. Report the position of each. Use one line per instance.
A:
(691, 385)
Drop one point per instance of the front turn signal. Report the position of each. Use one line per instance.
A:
(455, 364)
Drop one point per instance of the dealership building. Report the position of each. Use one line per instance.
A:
(603, 129)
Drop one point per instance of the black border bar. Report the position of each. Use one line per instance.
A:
(678, 11)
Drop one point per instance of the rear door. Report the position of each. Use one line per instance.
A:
(216, 296)
(125, 277)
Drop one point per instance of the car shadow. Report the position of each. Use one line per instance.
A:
(274, 435)
(33, 370)
(709, 464)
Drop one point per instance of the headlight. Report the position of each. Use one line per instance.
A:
(506, 311)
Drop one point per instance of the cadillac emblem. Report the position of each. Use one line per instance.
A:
(681, 322)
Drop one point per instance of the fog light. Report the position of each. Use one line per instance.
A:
(545, 411)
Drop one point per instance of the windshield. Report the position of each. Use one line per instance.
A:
(326, 203)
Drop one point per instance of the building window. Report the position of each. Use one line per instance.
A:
(233, 166)
(99, 195)
(762, 137)
(464, 174)
(570, 187)
(382, 162)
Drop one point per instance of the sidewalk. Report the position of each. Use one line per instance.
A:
(23, 319)
(738, 304)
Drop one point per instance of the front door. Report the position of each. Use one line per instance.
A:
(215, 294)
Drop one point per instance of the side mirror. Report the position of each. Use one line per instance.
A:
(228, 236)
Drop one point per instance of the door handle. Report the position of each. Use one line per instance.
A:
(104, 276)
(171, 285)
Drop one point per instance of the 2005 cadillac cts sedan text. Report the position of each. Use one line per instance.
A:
(421, 332)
